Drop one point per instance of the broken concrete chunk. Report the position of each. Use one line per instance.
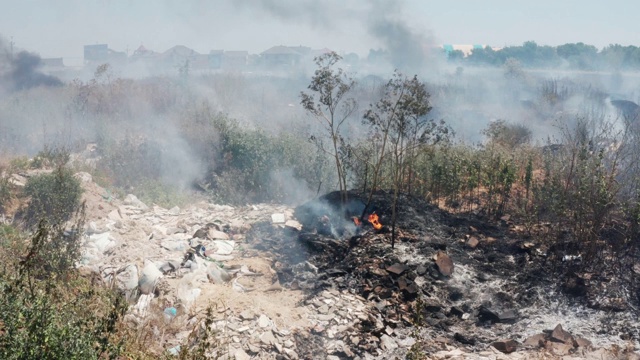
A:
(387, 342)
(247, 315)
(264, 321)
(583, 343)
(560, 335)
(535, 341)
(18, 180)
(267, 338)
(217, 235)
(174, 230)
(241, 355)
(134, 201)
(506, 346)
(277, 218)
(397, 269)
(473, 242)
(293, 224)
(444, 263)
(559, 348)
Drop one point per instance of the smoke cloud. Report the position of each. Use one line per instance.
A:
(404, 47)
(20, 71)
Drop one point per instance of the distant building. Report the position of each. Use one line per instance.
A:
(96, 53)
(215, 59)
(235, 60)
(100, 54)
(52, 63)
(279, 56)
(178, 56)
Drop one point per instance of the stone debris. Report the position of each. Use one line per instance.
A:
(184, 258)
(505, 346)
(444, 263)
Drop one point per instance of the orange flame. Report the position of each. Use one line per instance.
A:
(373, 219)
(356, 221)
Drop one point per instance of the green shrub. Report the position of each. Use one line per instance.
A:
(47, 311)
(54, 196)
(5, 190)
(507, 135)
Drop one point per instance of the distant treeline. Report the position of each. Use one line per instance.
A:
(577, 56)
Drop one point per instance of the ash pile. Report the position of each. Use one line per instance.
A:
(452, 286)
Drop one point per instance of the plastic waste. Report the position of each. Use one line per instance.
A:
(170, 313)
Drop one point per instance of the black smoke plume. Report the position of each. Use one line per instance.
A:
(24, 74)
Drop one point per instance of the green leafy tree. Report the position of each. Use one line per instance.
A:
(329, 103)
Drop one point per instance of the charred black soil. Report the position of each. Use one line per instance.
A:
(461, 278)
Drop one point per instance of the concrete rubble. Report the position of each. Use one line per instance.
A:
(173, 263)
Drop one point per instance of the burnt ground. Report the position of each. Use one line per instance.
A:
(451, 281)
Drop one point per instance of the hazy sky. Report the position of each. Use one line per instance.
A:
(59, 28)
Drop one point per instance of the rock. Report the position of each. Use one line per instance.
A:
(558, 348)
(18, 180)
(247, 315)
(263, 321)
(174, 230)
(506, 346)
(456, 311)
(241, 355)
(397, 269)
(214, 234)
(134, 201)
(277, 219)
(444, 263)
(174, 211)
(267, 338)
(387, 342)
(293, 224)
(560, 335)
(421, 270)
(291, 354)
(83, 177)
(582, 342)
(535, 341)
(464, 339)
(485, 314)
(473, 242)
(508, 317)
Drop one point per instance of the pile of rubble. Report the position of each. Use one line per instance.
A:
(293, 286)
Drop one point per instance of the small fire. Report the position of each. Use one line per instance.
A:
(373, 219)
(356, 221)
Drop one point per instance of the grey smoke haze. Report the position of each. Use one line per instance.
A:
(407, 48)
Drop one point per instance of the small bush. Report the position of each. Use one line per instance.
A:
(507, 135)
(5, 190)
(54, 196)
